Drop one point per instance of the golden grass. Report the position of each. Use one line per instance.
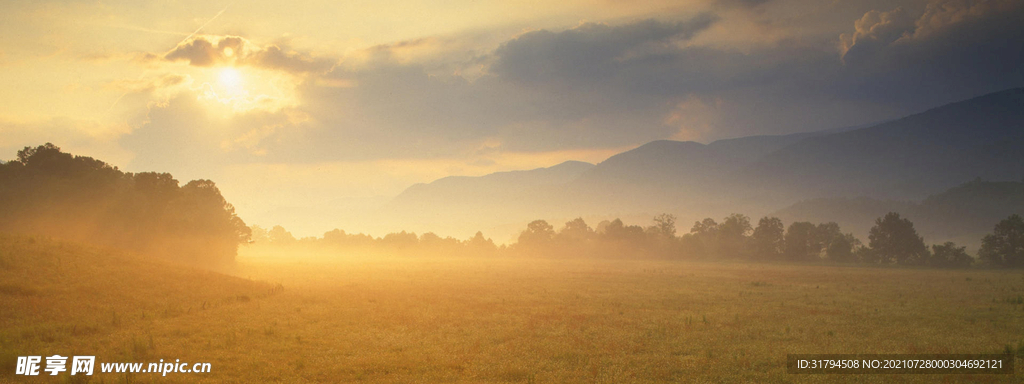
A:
(358, 319)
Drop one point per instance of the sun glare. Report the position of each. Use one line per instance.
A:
(230, 78)
(241, 89)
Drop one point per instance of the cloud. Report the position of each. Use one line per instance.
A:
(203, 52)
(591, 86)
(971, 21)
(149, 84)
(274, 57)
(590, 51)
(749, 4)
(189, 135)
(951, 51)
(600, 86)
(206, 51)
(877, 29)
(695, 118)
(940, 15)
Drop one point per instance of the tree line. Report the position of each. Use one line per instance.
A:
(396, 243)
(892, 240)
(49, 192)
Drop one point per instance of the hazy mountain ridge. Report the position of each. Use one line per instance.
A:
(674, 175)
(488, 187)
(580, 185)
(964, 213)
(934, 150)
(686, 161)
(906, 159)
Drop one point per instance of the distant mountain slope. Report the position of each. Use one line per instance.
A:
(964, 213)
(906, 158)
(489, 188)
(658, 163)
(496, 203)
(681, 163)
(626, 183)
(674, 163)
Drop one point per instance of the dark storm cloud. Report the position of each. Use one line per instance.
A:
(592, 85)
(537, 93)
(954, 50)
(591, 52)
(742, 3)
(543, 90)
(605, 85)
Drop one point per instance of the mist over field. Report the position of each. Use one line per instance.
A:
(510, 192)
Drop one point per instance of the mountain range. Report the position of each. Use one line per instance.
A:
(903, 160)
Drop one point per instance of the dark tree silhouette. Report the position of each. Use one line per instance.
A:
(706, 227)
(732, 235)
(49, 192)
(616, 231)
(665, 226)
(537, 233)
(948, 255)
(802, 243)
(1005, 246)
(702, 241)
(280, 236)
(400, 240)
(836, 245)
(338, 238)
(479, 245)
(894, 240)
(575, 231)
(843, 248)
(261, 235)
(769, 238)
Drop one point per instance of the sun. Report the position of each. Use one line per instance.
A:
(243, 88)
(230, 78)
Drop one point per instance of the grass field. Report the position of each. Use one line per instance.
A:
(357, 319)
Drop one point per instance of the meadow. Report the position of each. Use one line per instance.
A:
(293, 317)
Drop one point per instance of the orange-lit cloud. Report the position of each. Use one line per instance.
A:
(878, 27)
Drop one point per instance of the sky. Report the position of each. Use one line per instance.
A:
(295, 104)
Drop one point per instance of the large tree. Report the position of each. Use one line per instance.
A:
(837, 246)
(702, 241)
(948, 255)
(50, 192)
(802, 242)
(575, 231)
(732, 235)
(480, 245)
(893, 239)
(1005, 246)
(537, 234)
(617, 231)
(769, 238)
(665, 225)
